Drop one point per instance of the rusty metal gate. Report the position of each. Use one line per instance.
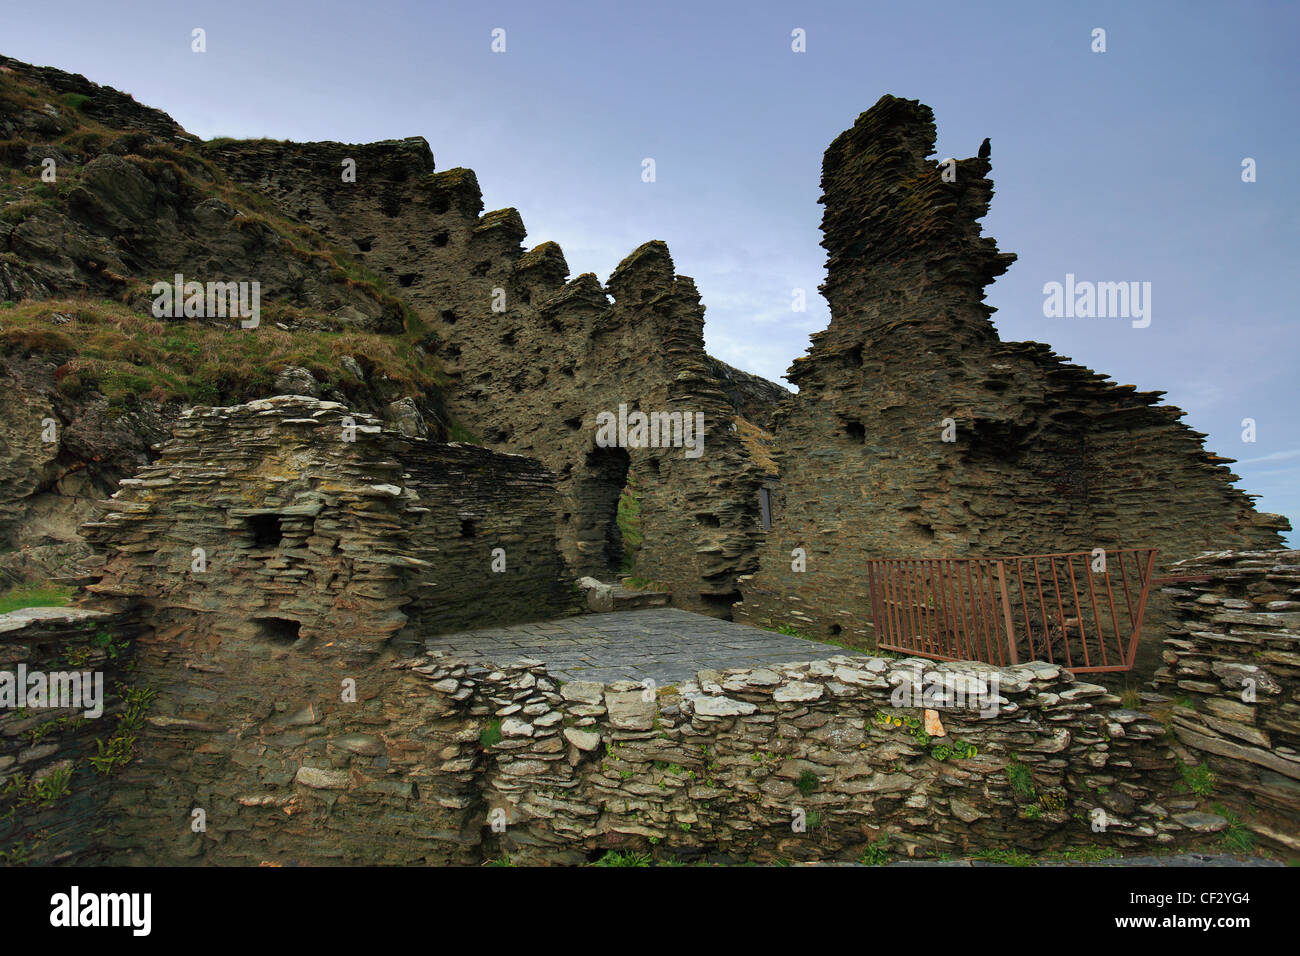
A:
(1080, 609)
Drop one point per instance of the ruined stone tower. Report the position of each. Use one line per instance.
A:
(1048, 456)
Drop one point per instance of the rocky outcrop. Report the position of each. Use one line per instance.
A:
(1232, 660)
(133, 202)
(918, 433)
(103, 104)
(58, 457)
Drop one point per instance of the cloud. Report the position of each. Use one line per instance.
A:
(1274, 456)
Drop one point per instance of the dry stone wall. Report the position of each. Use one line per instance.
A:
(435, 761)
(1047, 456)
(533, 357)
(1233, 661)
(296, 520)
(738, 761)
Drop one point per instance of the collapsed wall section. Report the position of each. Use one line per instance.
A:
(918, 433)
(292, 521)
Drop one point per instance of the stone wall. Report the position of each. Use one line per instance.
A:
(293, 519)
(532, 359)
(1048, 456)
(53, 798)
(726, 764)
(431, 753)
(1233, 660)
(322, 754)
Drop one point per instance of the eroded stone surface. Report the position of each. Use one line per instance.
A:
(1048, 456)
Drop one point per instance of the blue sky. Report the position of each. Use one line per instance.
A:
(1115, 166)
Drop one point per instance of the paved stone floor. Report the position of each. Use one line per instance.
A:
(667, 645)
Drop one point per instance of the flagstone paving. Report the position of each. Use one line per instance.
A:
(667, 645)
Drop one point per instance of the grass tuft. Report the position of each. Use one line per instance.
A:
(48, 595)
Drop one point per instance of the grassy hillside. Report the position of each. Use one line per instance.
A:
(100, 327)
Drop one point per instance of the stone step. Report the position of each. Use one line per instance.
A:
(614, 597)
(626, 599)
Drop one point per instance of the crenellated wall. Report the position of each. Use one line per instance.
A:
(533, 357)
(1046, 456)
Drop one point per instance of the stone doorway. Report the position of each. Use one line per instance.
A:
(600, 543)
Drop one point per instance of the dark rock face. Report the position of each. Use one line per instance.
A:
(58, 457)
(103, 103)
(1047, 457)
(129, 206)
(1233, 655)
